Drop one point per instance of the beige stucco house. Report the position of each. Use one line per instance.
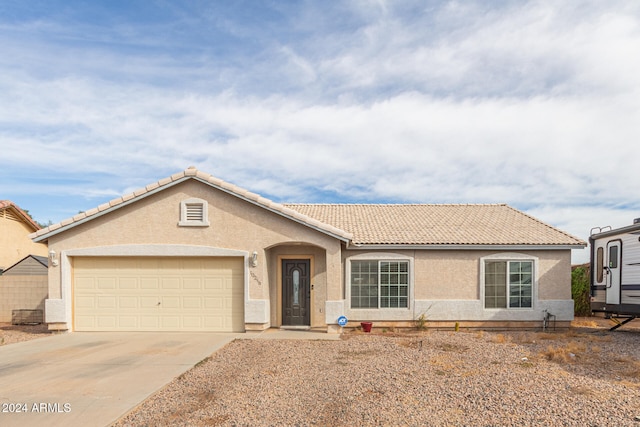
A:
(192, 252)
(15, 228)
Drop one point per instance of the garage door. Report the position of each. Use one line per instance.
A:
(158, 294)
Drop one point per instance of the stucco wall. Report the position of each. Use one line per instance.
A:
(447, 286)
(456, 274)
(234, 224)
(15, 243)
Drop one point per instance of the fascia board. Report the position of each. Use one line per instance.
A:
(466, 247)
(172, 183)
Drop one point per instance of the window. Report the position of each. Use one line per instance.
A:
(613, 256)
(379, 284)
(193, 212)
(600, 264)
(508, 284)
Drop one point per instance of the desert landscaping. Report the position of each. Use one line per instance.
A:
(584, 376)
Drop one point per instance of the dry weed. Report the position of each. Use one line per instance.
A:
(501, 339)
(634, 370)
(566, 353)
(582, 390)
(582, 323)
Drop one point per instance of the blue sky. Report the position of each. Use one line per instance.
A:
(534, 104)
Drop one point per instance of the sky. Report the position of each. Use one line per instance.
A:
(531, 103)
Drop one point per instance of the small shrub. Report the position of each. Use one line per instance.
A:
(421, 322)
(580, 292)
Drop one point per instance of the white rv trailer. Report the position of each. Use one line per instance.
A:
(615, 272)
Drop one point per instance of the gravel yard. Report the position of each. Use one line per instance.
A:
(10, 334)
(584, 377)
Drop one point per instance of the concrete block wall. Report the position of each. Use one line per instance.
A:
(22, 292)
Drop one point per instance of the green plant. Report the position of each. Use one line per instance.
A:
(580, 291)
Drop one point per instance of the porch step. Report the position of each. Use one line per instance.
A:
(295, 328)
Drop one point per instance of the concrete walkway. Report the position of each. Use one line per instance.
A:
(82, 378)
(289, 334)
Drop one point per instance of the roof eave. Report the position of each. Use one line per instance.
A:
(337, 234)
(329, 230)
(472, 247)
(615, 231)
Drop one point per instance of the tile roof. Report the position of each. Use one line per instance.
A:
(8, 204)
(430, 224)
(375, 224)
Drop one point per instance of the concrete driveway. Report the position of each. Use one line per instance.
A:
(84, 378)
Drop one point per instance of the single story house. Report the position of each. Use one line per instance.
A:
(192, 252)
(15, 227)
(24, 288)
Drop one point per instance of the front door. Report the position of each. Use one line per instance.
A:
(614, 252)
(296, 292)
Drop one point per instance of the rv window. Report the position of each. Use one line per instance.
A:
(600, 264)
(613, 257)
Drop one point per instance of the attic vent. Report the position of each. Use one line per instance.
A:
(10, 215)
(193, 213)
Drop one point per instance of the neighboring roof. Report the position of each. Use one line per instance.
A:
(189, 173)
(19, 213)
(429, 224)
(41, 259)
(375, 224)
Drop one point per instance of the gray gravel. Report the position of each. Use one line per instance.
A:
(437, 378)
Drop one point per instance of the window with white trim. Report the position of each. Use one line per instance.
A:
(379, 284)
(194, 213)
(508, 284)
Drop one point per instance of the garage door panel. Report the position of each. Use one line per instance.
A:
(85, 283)
(149, 283)
(171, 302)
(127, 283)
(128, 322)
(158, 294)
(128, 302)
(106, 322)
(170, 322)
(190, 303)
(107, 302)
(86, 302)
(191, 283)
(106, 283)
(213, 283)
(171, 283)
(194, 322)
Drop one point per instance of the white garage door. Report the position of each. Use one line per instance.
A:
(158, 294)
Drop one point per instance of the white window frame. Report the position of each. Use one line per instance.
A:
(185, 221)
(506, 257)
(379, 258)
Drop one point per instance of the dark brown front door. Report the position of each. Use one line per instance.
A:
(296, 292)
